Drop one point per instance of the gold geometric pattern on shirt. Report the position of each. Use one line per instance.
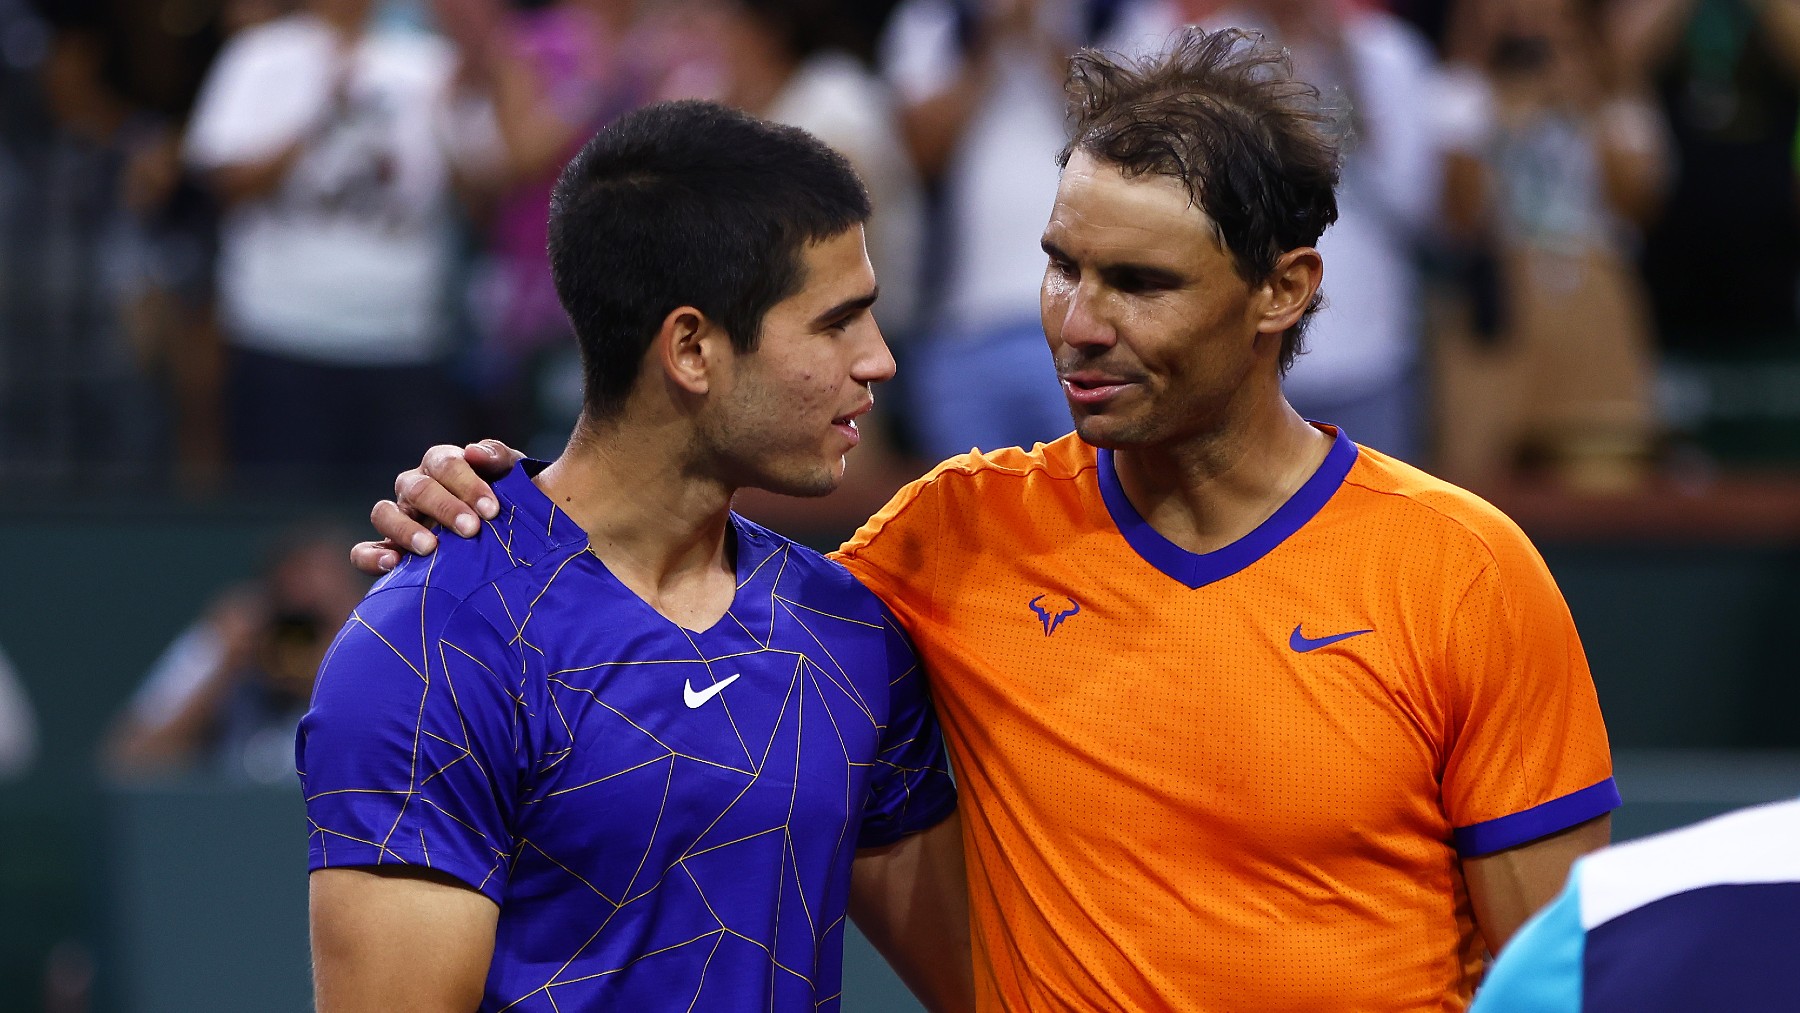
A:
(625, 721)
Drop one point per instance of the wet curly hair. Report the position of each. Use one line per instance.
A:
(1259, 151)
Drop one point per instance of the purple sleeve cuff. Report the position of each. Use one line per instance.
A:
(1539, 821)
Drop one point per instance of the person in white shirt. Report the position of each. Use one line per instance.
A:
(334, 143)
(980, 84)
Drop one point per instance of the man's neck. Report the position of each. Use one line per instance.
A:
(1204, 494)
(658, 526)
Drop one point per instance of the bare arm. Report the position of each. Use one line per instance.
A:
(1634, 156)
(247, 181)
(1645, 32)
(1509, 886)
(400, 941)
(933, 126)
(911, 900)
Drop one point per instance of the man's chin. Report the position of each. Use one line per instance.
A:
(1103, 433)
(821, 483)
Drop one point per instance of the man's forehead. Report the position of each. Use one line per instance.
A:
(1086, 169)
(1098, 202)
(834, 268)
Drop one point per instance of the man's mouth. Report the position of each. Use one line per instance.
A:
(845, 424)
(1091, 388)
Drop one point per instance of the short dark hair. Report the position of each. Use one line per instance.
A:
(687, 204)
(1258, 151)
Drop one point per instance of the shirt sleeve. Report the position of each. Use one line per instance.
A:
(895, 553)
(264, 91)
(413, 750)
(911, 789)
(1528, 753)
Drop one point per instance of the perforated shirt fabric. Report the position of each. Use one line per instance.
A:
(1239, 780)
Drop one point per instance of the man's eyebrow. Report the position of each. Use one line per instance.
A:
(1143, 272)
(847, 307)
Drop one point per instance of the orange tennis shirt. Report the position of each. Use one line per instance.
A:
(1239, 780)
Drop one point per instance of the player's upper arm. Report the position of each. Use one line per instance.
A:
(1526, 753)
(398, 941)
(1507, 887)
(419, 740)
(1541, 969)
(911, 900)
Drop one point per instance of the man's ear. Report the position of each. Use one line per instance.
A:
(1289, 290)
(690, 349)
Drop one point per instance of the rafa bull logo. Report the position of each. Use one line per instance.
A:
(1054, 611)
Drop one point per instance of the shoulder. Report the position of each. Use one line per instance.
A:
(1005, 482)
(805, 574)
(521, 550)
(1409, 506)
(1012, 472)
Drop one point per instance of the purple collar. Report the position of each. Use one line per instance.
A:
(1197, 569)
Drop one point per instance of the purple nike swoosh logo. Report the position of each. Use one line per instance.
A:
(1302, 644)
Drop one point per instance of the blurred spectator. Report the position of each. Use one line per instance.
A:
(1359, 369)
(109, 361)
(73, 390)
(1723, 257)
(1552, 159)
(556, 71)
(980, 82)
(333, 141)
(780, 67)
(228, 693)
(18, 727)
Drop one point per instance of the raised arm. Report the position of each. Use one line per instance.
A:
(448, 487)
(399, 940)
(911, 900)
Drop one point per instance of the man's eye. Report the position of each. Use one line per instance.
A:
(1137, 284)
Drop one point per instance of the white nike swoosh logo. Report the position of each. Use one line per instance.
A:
(697, 699)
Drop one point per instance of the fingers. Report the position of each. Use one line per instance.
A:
(374, 558)
(492, 459)
(402, 531)
(422, 498)
(444, 488)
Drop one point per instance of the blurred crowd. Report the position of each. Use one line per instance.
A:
(288, 243)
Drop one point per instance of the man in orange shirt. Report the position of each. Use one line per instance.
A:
(1246, 717)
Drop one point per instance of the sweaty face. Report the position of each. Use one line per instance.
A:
(1155, 335)
(786, 415)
